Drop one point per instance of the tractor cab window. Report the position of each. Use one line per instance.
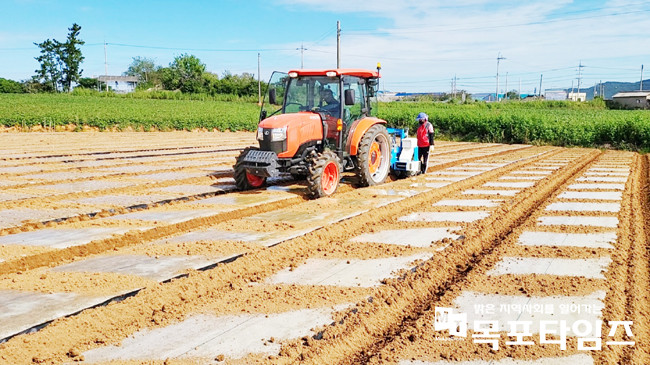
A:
(298, 96)
(314, 93)
(358, 108)
(274, 97)
(329, 100)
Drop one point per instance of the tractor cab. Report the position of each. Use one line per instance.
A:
(334, 96)
(311, 118)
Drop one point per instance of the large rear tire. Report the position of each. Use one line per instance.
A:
(373, 156)
(243, 179)
(324, 174)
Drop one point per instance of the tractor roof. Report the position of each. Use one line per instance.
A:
(366, 74)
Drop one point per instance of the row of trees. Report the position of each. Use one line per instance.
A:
(60, 71)
(186, 73)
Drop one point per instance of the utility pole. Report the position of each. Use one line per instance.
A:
(302, 50)
(602, 89)
(499, 58)
(453, 87)
(540, 86)
(259, 82)
(580, 66)
(505, 95)
(338, 44)
(641, 85)
(519, 91)
(105, 66)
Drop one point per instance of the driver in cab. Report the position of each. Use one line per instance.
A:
(332, 106)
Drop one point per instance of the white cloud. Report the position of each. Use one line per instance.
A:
(434, 41)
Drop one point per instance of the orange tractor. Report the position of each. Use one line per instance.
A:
(317, 124)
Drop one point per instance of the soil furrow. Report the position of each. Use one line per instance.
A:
(252, 267)
(409, 298)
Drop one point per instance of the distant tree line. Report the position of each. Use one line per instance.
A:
(60, 71)
(456, 98)
(11, 87)
(187, 74)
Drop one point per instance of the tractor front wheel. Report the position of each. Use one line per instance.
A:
(243, 179)
(373, 156)
(324, 174)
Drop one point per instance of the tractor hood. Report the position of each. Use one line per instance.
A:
(290, 120)
(300, 128)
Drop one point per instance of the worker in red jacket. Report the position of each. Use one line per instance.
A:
(425, 140)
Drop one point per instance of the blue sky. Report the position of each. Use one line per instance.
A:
(422, 45)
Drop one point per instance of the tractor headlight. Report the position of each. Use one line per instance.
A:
(260, 133)
(278, 134)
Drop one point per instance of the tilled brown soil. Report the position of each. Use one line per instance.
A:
(391, 322)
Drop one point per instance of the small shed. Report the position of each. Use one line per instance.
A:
(120, 84)
(633, 99)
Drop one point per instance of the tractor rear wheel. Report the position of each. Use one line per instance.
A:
(243, 179)
(373, 156)
(324, 174)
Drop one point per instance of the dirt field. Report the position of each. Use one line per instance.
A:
(130, 248)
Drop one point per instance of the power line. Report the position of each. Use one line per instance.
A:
(614, 68)
(322, 37)
(201, 49)
(403, 58)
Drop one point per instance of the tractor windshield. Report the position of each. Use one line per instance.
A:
(314, 93)
(274, 97)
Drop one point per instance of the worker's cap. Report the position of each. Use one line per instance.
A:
(421, 117)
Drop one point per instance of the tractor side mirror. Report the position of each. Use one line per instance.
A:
(349, 97)
(263, 115)
(272, 97)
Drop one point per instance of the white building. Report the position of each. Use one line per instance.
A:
(555, 94)
(578, 96)
(120, 84)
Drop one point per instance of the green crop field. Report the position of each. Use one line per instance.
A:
(556, 123)
(107, 112)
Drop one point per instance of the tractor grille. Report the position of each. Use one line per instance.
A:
(276, 146)
(260, 158)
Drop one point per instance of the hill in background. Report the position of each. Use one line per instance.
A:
(613, 87)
